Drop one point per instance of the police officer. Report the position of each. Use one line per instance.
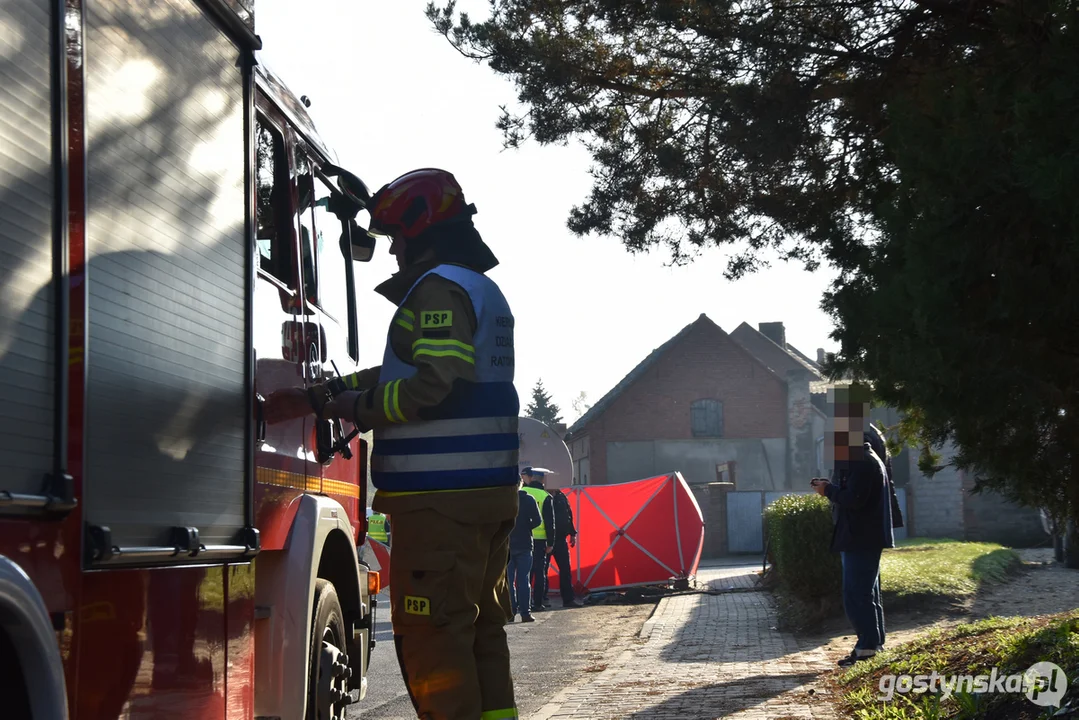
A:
(378, 527)
(543, 535)
(444, 410)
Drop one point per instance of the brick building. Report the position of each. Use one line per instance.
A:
(711, 405)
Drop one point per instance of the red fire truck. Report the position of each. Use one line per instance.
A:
(176, 242)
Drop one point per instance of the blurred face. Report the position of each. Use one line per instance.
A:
(848, 423)
(397, 249)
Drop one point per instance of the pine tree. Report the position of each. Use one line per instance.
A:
(926, 150)
(541, 408)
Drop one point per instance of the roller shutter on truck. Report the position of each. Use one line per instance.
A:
(27, 306)
(166, 408)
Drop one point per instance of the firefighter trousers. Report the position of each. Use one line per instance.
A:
(450, 604)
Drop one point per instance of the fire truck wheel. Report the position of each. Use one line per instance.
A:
(327, 684)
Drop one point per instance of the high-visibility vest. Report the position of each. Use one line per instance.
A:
(540, 531)
(376, 527)
(474, 444)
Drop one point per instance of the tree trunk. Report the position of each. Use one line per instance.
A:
(1070, 531)
(1071, 544)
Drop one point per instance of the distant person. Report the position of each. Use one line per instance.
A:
(378, 527)
(862, 517)
(542, 536)
(519, 571)
(565, 538)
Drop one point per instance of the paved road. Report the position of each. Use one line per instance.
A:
(705, 656)
(557, 650)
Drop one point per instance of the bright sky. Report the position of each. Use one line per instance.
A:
(390, 95)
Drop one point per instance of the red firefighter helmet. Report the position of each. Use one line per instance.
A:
(417, 201)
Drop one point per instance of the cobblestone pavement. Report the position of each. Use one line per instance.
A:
(704, 656)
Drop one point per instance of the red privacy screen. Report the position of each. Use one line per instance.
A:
(644, 532)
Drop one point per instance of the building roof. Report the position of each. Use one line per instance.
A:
(605, 402)
(642, 367)
(805, 358)
(779, 360)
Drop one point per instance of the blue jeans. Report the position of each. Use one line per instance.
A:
(861, 597)
(518, 573)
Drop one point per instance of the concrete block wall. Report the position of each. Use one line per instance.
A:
(935, 504)
(759, 463)
(988, 517)
(946, 506)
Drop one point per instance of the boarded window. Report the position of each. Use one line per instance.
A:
(706, 418)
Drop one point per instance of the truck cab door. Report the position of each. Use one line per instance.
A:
(330, 297)
(282, 332)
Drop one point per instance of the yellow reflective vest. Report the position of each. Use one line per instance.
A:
(376, 527)
(540, 531)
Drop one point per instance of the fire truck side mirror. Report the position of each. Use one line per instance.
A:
(363, 245)
(351, 186)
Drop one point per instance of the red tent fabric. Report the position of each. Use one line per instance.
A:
(644, 532)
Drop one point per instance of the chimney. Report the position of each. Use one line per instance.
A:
(774, 331)
(820, 356)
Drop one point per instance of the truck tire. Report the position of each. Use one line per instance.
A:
(12, 683)
(327, 683)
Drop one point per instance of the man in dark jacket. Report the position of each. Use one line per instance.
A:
(565, 538)
(520, 564)
(862, 515)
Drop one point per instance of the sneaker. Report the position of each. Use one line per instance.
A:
(573, 603)
(527, 618)
(855, 657)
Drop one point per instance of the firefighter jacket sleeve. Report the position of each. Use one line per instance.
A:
(442, 353)
(363, 379)
(548, 520)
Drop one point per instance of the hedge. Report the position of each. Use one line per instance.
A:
(799, 529)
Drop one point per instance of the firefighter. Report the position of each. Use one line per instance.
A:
(378, 527)
(444, 409)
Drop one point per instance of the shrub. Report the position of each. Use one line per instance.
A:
(799, 531)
